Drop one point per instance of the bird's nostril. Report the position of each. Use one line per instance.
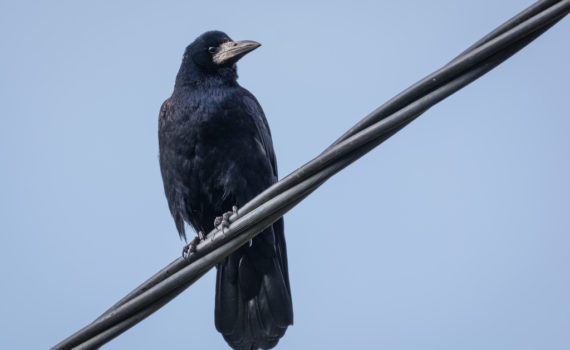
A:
(234, 44)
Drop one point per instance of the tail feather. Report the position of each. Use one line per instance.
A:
(253, 305)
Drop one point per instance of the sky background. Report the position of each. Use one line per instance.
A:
(453, 234)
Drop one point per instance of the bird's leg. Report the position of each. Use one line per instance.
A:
(224, 220)
(191, 247)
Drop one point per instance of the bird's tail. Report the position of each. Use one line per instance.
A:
(253, 298)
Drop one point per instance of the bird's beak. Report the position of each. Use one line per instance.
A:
(232, 51)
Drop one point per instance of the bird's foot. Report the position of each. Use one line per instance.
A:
(191, 247)
(224, 220)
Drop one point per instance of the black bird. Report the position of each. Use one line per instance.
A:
(216, 152)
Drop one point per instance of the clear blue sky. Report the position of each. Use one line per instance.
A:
(454, 234)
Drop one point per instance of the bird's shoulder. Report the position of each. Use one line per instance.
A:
(246, 101)
(243, 105)
(251, 107)
(168, 120)
(163, 113)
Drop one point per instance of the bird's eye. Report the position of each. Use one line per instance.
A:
(212, 49)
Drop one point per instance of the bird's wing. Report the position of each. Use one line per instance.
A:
(263, 131)
(265, 137)
(174, 202)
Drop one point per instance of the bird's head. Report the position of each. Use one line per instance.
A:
(214, 53)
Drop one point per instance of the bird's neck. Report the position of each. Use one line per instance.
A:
(192, 77)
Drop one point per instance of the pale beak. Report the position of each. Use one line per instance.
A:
(232, 51)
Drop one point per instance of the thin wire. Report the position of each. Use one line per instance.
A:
(269, 206)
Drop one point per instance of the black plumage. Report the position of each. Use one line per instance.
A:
(216, 152)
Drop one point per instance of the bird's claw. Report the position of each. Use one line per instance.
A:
(224, 220)
(191, 247)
